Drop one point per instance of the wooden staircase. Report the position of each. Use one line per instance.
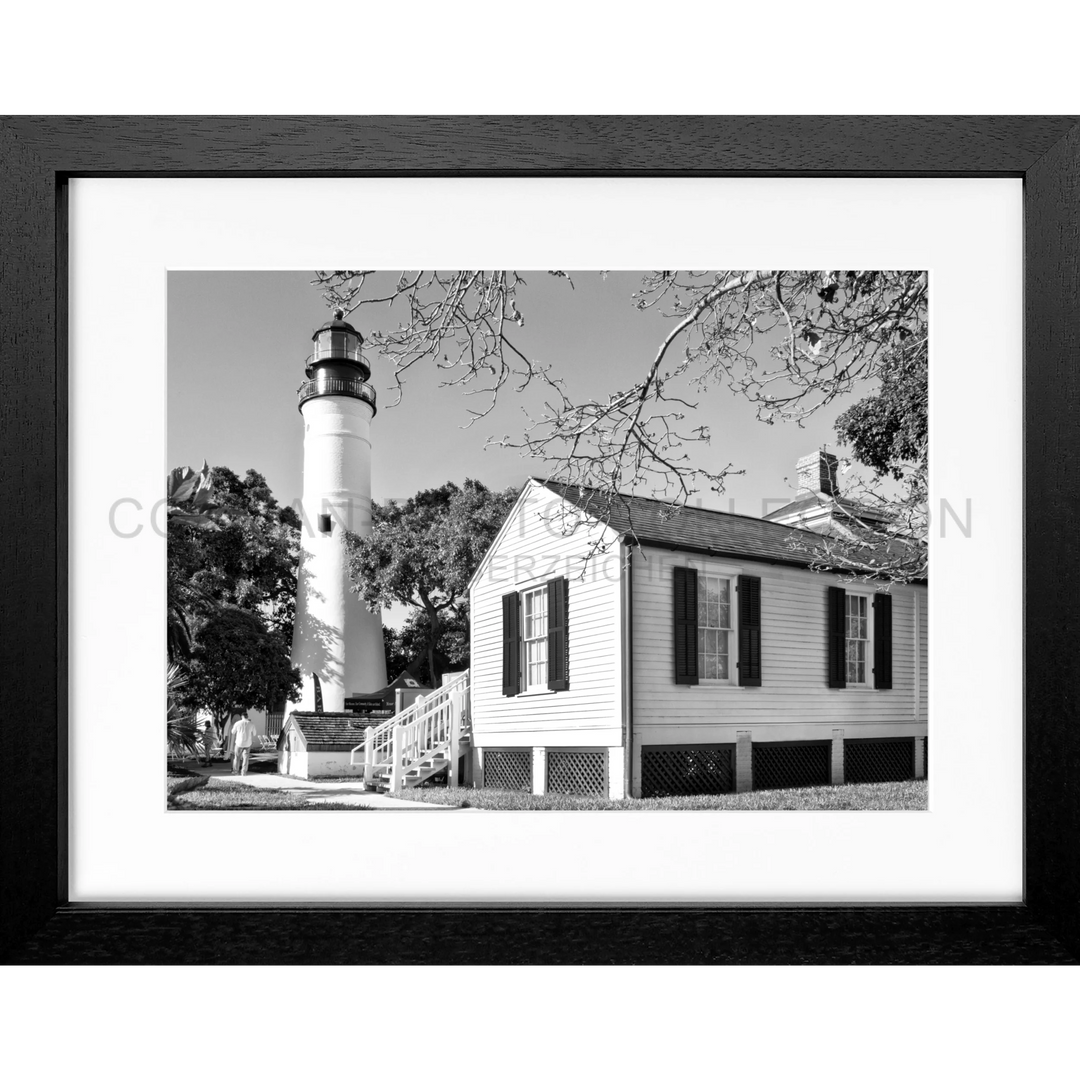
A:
(411, 775)
(420, 742)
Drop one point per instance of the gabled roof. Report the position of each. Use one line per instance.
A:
(813, 500)
(330, 731)
(443, 662)
(816, 500)
(695, 529)
(530, 486)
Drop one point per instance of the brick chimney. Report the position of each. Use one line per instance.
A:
(817, 473)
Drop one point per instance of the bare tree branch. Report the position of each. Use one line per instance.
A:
(791, 342)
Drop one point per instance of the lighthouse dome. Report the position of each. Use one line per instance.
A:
(339, 324)
(337, 349)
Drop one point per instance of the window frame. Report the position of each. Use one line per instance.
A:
(541, 686)
(868, 597)
(732, 579)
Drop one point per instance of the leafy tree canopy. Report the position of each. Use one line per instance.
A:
(232, 557)
(409, 643)
(247, 555)
(889, 429)
(238, 664)
(423, 551)
(189, 496)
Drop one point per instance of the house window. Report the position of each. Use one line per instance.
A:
(858, 639)
(706, 648)
(714, 627)
(534, 638)
(859, 647)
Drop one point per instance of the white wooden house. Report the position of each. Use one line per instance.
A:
(658, 654)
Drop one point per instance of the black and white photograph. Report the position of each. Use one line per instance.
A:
(406, 552)
(548, 540)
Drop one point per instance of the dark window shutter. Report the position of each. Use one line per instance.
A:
(685, 606)
(511, 645)
(883, 641)
(558, 647)
(837, 632)
(749, 630)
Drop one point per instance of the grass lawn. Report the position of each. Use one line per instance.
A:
(218, 794)
(905, 795)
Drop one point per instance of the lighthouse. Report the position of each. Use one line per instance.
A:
(335, 637)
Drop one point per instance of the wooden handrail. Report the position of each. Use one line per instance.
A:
(417, 733)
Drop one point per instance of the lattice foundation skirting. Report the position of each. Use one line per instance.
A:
(509, 770)
(791, 764)
(877, 761)
(687, 770)
(577, 772)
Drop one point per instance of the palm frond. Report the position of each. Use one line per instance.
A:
(181, 730)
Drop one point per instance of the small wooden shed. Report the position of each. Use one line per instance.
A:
(320, 744)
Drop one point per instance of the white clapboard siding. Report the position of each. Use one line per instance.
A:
(530, 551)
(924, 660)
(794, 701)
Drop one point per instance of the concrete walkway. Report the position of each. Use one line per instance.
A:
(348, 792)
(369, 798)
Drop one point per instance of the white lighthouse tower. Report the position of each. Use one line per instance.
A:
(335, 636)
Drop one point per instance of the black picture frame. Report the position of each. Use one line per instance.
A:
(40, 154)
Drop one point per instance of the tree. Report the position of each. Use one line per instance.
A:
(237, 664)
(791, 342)
(410, 643)
(889, 430)
(232, 557)
(398, 657)
(240, 549)
(189, 496)
(190, 503)
(422, 553)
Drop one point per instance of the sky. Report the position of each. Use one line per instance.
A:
(238, 340)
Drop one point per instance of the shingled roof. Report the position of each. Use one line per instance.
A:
(695, 529)
(331, 731)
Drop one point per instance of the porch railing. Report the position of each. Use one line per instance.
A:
(414, 737)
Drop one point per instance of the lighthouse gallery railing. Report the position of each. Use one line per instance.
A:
(335, 384)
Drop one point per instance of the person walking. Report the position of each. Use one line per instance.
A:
(208, 739)
(243, 735)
